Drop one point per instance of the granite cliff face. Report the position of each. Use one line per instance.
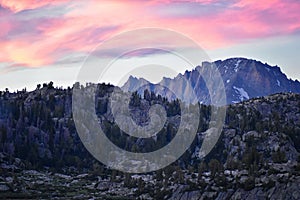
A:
(242, 78)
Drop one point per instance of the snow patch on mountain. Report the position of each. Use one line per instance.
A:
(278, 83)
(237, 65)
(243, 95)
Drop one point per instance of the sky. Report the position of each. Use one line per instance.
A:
(49, 40)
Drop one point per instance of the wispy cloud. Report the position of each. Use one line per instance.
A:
(17, 6)
(39, 33)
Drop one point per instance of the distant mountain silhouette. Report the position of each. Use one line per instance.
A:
(243, 79)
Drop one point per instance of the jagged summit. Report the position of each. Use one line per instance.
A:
(243, 79)
(133, 83)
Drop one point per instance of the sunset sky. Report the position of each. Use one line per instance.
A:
(49, 40)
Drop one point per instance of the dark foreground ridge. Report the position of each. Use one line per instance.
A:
(257, 156)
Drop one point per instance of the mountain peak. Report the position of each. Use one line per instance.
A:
(243, 79)
(132, 77)
(134, 83)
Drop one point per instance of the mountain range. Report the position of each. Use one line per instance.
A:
(243, 79)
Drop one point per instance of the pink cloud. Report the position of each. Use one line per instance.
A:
(85, 24)
(19, 5)
(255, 5)
(26, 53)
(5, 28)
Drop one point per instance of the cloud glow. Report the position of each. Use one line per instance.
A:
(39, 33)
